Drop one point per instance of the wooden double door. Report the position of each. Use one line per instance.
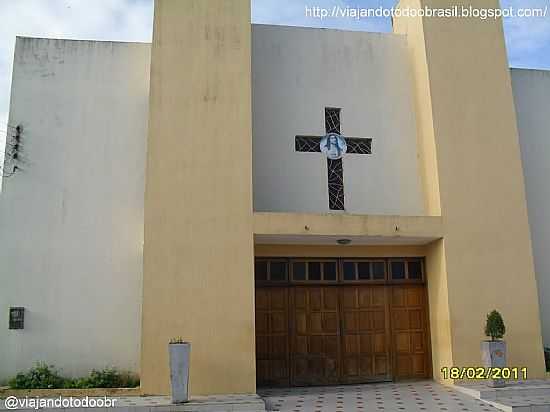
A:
(338, 333)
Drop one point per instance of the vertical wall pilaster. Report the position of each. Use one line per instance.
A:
(198, 257)
(472, 169)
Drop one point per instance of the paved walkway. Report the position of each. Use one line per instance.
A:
(387, 397)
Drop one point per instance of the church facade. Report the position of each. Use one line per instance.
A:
(305, 206)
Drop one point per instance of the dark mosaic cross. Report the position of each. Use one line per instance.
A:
(335, 168)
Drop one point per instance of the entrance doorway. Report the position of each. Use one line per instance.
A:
(335, 321)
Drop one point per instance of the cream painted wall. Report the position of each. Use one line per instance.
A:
(296, 73)
(71, 222)
(531, 90)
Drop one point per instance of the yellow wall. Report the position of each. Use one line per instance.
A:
(466, 113)
(427, 155)
(338, 251)
(392, 228)
(438, 306)
(198, 262)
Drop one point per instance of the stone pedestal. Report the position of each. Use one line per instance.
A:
(179, 371)
(493, 355)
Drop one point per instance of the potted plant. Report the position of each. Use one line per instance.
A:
(493, 352)
(179, 351)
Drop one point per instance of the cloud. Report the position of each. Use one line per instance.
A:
(293, 13)
(528, 38)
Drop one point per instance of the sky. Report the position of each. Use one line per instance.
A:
(527, 39)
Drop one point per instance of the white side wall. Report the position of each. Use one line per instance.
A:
(297, 72)
(532, 100)
(71, 222)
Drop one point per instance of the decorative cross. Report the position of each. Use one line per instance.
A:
(335, 168)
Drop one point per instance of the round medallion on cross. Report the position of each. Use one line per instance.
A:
(333, 145)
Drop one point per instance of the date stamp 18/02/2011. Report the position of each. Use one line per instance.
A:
(482, 373)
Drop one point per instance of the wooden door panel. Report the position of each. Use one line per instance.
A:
(410, 331)
(272, 327)
(365, 334)
(315, 345)
(350, 333)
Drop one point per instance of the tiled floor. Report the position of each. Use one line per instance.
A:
(386, 397)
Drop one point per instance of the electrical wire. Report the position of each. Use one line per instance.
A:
(11, 155)
(15, 169)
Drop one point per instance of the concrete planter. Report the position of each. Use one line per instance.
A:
(493, 355)
(179, 371)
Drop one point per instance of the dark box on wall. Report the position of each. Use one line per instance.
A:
(17, 318)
